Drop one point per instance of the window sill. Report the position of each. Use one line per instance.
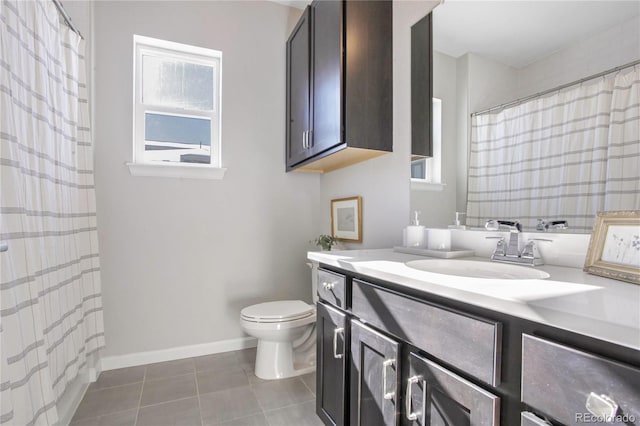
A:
(192, 171)
(423, 185)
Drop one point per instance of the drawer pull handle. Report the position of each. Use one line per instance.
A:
(337, 331)
(328, 286)
(407, 400)
(602, 406)
(385, 366)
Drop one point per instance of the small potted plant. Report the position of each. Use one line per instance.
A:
(325, 242)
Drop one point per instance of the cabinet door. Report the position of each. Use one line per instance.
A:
(422, 88)
(374, 377)
(298, 91)
(437, 397)
(331, 359)
(326, 54)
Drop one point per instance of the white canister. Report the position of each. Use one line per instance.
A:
(415, 236)
(439, 239)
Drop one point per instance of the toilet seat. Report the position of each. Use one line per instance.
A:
(277, 312)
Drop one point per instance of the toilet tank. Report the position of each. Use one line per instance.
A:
(314, 281)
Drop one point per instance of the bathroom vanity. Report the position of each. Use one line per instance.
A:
(403, 346)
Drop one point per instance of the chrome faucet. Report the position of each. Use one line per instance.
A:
(510, 253)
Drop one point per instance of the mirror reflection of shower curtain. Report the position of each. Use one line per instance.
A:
(563, 156)
(51, 323)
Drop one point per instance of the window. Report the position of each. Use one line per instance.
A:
(176, 106)
(426, 173)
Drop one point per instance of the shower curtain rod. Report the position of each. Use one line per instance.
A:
(555, 89)
(66, 17)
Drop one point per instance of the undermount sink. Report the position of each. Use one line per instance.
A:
(478, 269)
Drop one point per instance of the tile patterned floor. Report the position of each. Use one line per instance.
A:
(218, 389)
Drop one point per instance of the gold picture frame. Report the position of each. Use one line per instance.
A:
(614, 248)
(346, 219)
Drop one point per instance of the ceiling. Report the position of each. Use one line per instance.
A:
(518, 33)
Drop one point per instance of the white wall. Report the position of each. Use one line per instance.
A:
(438, 208)
(615, 46)
(490, 83)
(181, 257)
(383, 182)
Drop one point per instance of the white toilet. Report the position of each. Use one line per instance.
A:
(286, 336)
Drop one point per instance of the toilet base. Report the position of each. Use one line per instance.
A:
(277, 360)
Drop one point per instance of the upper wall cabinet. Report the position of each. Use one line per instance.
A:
(339, 85)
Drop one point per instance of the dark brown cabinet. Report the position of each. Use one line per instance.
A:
(422, 88)
(339, 85)
(435, 396)
(574, 386)
(331, 361)
(298, 95)
(411, 358)
(374, 377)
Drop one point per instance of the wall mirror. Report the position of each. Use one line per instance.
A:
(486, 54)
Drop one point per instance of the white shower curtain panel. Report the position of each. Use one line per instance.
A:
(51, 305)
(564, 156)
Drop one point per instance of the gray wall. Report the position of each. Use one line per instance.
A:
(181, 257)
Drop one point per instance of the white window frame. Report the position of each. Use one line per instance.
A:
(187, 53)
(433, 165)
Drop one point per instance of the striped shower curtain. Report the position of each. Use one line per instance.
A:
(565, 156)
(50, 298)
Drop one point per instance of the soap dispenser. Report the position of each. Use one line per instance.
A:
(414, 235)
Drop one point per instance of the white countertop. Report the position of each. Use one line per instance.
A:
(569, 299)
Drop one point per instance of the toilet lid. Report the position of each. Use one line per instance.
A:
(283, 310)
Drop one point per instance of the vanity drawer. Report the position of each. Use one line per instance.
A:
(468, 343)
(563, 382)
(332, 288)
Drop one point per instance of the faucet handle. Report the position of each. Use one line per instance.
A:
(530, 250)
(556, 225)
(509, 225)
(500, 248)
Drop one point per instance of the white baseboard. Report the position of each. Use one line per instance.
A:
(72, 397)
(142, 358)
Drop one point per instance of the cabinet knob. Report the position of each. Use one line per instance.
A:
(328, 286)
(602, 406)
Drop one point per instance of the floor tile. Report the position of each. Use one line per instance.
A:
(164, 390)
(213, 381)
(281, 393)
(257, 420)
(184, 412)
(247, 356)
(119, 377)
(310, 381)
(124, 418)
(108, 401)
(251, 375)
(163, 370)
(218, 407)
(228, 361)
(298, 415)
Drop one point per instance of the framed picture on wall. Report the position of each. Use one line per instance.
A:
(614, 249)
(346, 219)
